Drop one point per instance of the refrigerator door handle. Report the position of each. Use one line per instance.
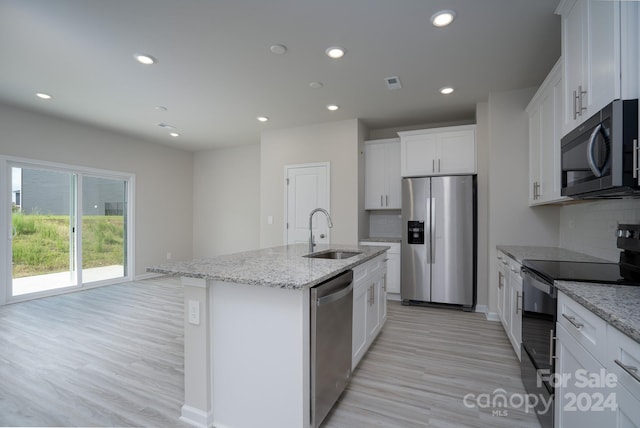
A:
(427, 231)
(432, 231)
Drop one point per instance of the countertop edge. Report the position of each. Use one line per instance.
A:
(623, 325)
(520, 253)
(383, 240)
(374, 252)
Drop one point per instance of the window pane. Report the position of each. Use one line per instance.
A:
(42, 246)
(104, 229)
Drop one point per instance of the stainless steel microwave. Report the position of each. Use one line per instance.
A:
(600, 158)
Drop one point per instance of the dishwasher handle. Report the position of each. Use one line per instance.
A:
(335, 296)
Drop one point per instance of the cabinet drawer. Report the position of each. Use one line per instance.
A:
(587, 328)
(376, 264)
(503, 259)
(623, 359)
(359, 274)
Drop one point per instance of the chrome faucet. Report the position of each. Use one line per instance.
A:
(329, 223)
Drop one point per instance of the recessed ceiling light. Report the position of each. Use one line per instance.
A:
(43, 96)
(443, 18)
(332, 107)
(145, 59)
(161, 108)
(335, 52)
(262, 118)
(174, 134)
(315, 85)
(446, 90)
(278, 49)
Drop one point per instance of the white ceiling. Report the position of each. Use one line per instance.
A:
(215, 72)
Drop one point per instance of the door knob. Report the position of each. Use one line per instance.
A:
(321, 235)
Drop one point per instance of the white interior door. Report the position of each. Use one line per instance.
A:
(307, 187)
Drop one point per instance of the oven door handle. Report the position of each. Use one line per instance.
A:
(590, 156)
(537, 283)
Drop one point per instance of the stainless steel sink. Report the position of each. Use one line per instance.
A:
(333, 254)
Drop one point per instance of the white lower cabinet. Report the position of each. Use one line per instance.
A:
(393, 267)
(623, 360)
(597, 378)
(510, 299)
(369, 305)
(573, 400)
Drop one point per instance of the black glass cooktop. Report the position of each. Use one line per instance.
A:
(605, 273)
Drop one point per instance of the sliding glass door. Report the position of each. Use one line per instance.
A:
(69, 228)
(104, 229)
(43, 224)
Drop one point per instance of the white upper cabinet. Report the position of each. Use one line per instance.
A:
(600, 56)
(545, 120)
(438, 151)
(383, 185)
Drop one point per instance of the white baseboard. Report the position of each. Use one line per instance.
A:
(148, 276)
(492, 316)
(482, 309)
(394, 296)
(196, 417)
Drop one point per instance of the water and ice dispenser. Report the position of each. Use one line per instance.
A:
(415, 232)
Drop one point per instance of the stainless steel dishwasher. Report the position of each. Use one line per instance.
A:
(331, 322)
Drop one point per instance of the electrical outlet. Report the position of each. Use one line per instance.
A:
(194, 312)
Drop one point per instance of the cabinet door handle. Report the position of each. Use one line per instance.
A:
(575, 105)
(438, 164)
(573, 321)
(386, 199)
(551, 353)
(381, 201)
(518, 299)
(581, 95)
(433, 165)
(631, 370)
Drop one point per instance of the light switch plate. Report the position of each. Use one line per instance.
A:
(194, 312)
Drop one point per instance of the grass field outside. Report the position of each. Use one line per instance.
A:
(41, 243)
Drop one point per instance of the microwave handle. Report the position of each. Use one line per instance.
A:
(592, 142)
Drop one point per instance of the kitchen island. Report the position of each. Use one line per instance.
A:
(247, 332)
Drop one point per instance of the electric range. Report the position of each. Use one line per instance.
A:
(539, 303)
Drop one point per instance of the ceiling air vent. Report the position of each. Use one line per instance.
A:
(393, 82)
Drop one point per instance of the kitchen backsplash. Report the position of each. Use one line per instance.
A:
(590, 227)
(385, 224)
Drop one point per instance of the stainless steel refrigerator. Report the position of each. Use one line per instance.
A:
(439, 241)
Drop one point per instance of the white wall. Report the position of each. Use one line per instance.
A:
(589, 227)
(335, 142)
(164, 202)
(363, 215)
(226, 205)
(482, 150)
(511, 220)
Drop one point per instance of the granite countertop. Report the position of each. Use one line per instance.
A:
(616, 304)
(378, 239)
(520, 253)
(278, 267)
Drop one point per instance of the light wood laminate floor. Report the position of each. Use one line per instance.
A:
(113, 356)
